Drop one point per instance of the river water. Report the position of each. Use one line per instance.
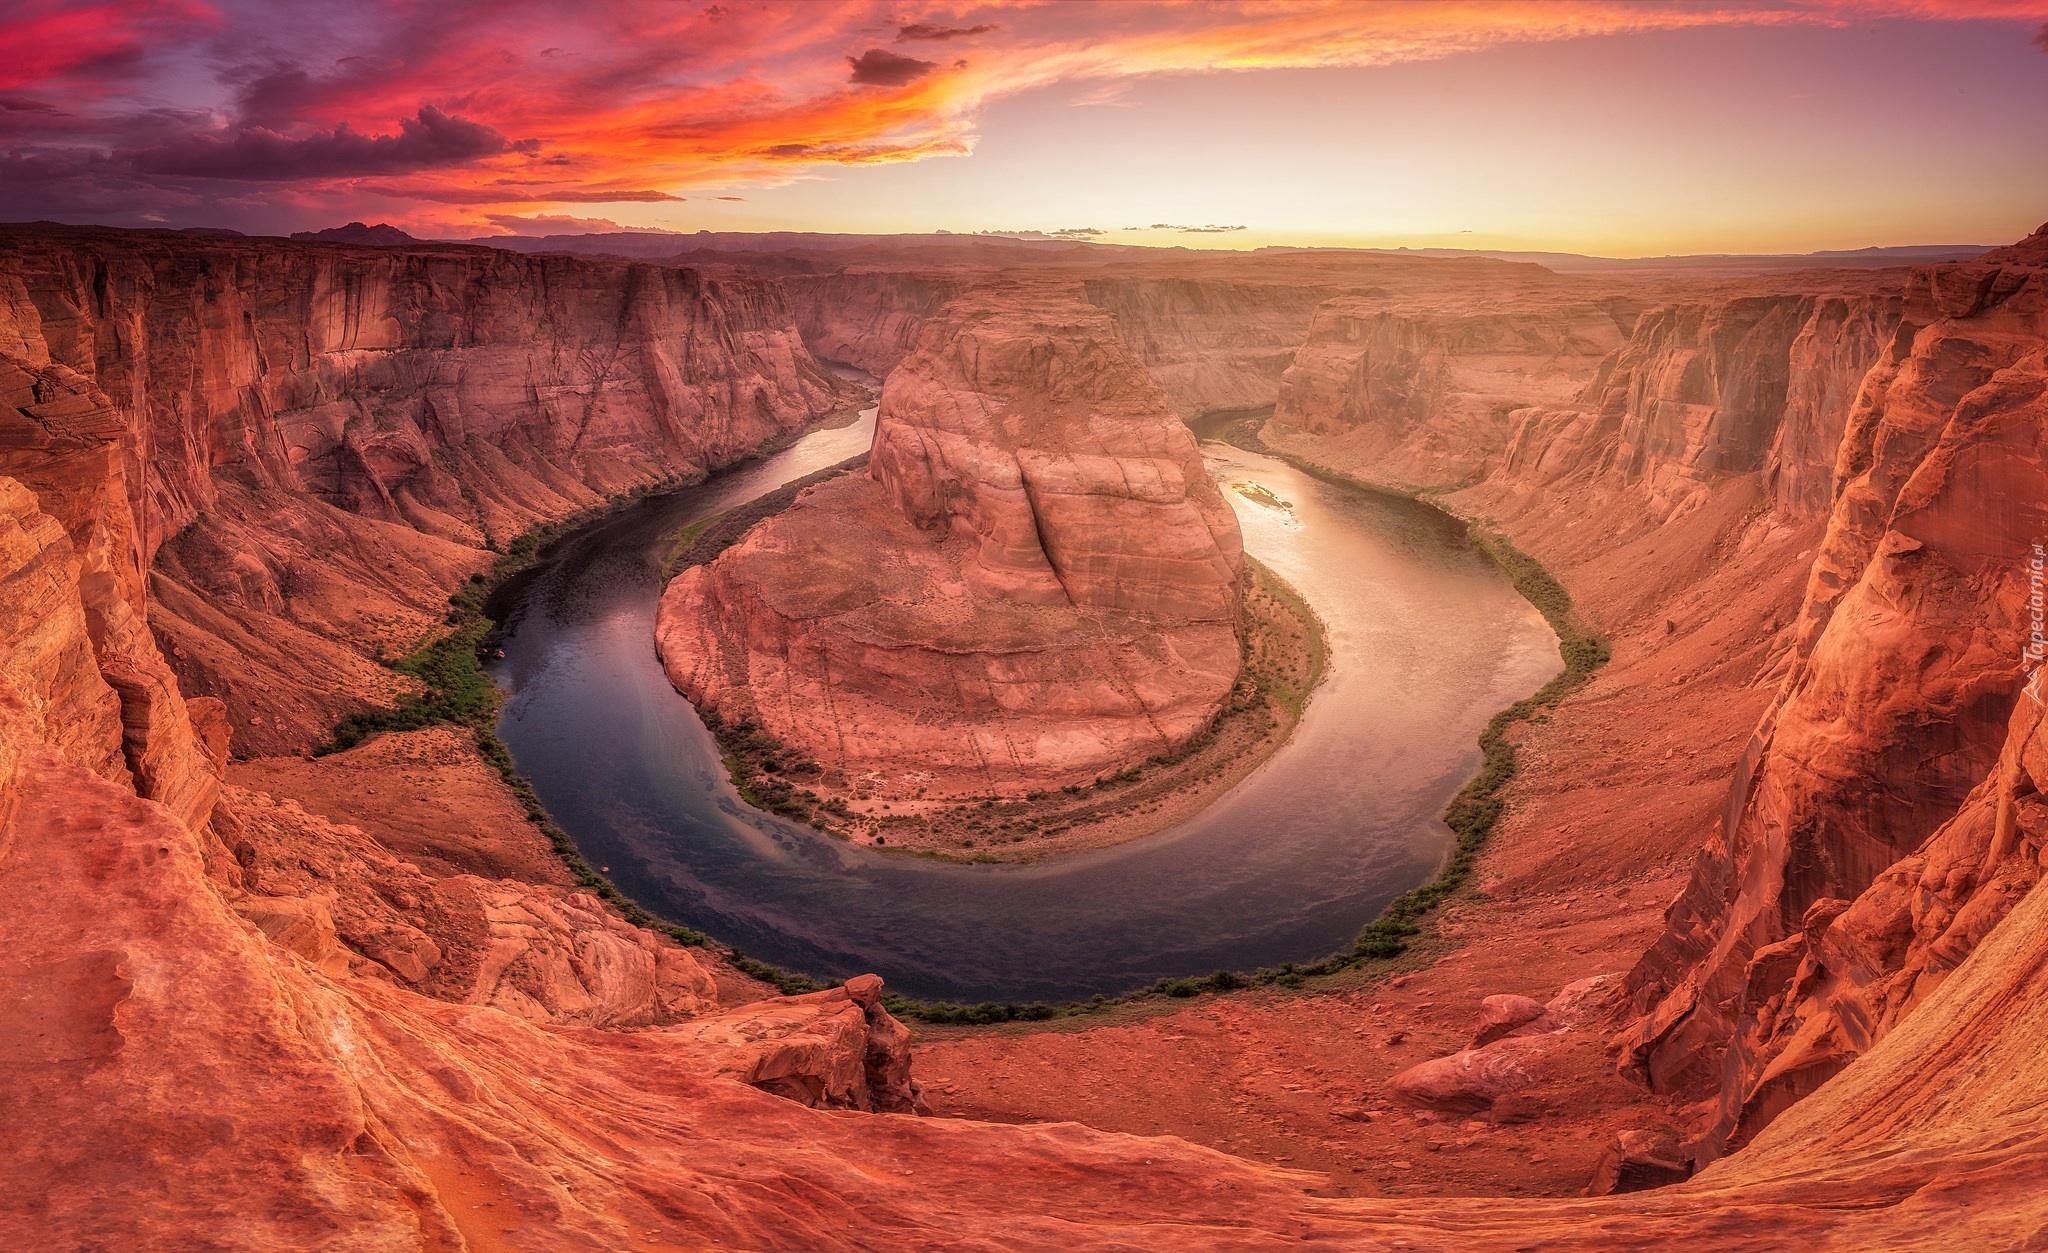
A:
(1427, 639)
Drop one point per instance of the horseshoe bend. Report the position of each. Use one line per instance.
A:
(522, 730)
(1034, 587)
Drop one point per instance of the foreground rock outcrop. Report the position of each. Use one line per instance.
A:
(390, 1119)
(1034, 583)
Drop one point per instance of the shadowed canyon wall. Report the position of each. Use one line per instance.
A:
(1881, 821)
(317, 440)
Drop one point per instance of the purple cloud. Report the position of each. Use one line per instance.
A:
(927, 30)
(879, 67)
(430, 140)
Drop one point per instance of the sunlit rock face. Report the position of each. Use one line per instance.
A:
(1886, 814)
(317, 441)
(1034, 582)
(1704, 390)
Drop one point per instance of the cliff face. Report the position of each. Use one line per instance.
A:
(317, 439)
(76, 603)
(1211, 343)
(1879, 823)
(1219, 332)
(1883, 820)
(1037, 581)
(1426, 392)
(1704, 391)
(869, 319)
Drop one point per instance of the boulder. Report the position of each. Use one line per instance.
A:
(1500, 1016)
(1638, 1160)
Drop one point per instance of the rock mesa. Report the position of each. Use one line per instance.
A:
(1034, 583)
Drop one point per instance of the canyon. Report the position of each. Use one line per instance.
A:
(1035, 584)
(1760, 922)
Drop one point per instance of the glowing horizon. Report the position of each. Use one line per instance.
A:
(1606, 128)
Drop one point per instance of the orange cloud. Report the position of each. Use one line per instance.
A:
(477, 104)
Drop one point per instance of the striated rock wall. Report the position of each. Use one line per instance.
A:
(318, 439)
(1211, 343)
(76, 577)
(1035, 583)
(1428, 391)
(1215, 332)
(1870, 833)
(45, 637)
(1025, 425)
(869, 319)
(1703, 391)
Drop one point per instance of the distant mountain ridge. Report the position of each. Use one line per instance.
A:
(1572, 262)
(382, 234)
(675, 245)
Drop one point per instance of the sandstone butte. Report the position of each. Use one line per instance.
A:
(236, 1020)
(1034, 584)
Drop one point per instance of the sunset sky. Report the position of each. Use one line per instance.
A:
(1611, 128)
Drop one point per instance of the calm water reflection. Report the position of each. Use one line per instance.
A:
(1427, 641)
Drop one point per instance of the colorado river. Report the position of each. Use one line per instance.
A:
(1427, 639)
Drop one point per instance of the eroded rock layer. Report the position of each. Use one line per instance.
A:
(316, 441)
(232, 1023)
(1035, 582)
(1879, 823)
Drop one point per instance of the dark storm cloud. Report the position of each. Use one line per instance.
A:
(879, 67)
(926, 30)
(430, 140)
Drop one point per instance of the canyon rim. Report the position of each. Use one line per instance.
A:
(1527, 533)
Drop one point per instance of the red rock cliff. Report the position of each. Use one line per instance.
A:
(1881, 821)
(1426, 390)
(1036, 583)
(1705, 390)
(318, 438)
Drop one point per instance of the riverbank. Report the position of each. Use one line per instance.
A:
(1613, 788)
(1284, 657)
(445, 729)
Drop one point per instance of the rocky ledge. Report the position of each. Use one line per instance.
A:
(1035, 583)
